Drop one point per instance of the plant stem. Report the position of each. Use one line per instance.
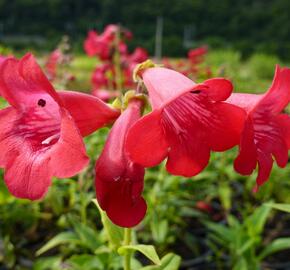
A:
(117, 61)
(128, 254)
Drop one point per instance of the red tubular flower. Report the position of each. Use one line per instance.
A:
(267, 131)
(39, 138)
(187, 122)
(119, 181)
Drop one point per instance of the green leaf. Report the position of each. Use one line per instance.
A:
(221, 230)
(248, 244)
(170, 261)
(280, 206)
(88, 237)
(257, 220)
(159, 230)
(147, 250)
(86, 261)
(47, 263)
(62, 238)
(115, 234)
(241, 264)
(275, 246)
(225, 195)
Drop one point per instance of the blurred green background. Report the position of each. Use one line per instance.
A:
(245, 25)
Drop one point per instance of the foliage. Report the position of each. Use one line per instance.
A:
(219, 24)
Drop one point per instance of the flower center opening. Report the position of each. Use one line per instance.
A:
(40, 126)
(41, 102)
(195, 92)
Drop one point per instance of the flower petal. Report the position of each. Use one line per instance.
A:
(164, 85)
(88, 112)
(226, 131)
(146, 137)
(265, 163)
(28, 175)
(121, 206)
(284, 123)
(187, 159)
(68, 155)
(23, 83)
(219, 89)
(246, 161)
(7, 118)
(278, 96)
(245, 101)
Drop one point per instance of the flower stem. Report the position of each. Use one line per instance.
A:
(128, 254)
(117, 61)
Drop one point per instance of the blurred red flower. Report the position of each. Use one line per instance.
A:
(52, 62)
(102, 45)
(97, 45)
(196, 56)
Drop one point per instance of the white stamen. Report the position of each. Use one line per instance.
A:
(49, 139)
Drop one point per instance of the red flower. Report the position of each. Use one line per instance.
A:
(196, 56)
(39, 138)
(267, 131)
(119, 181)
(102, 45)
(97, 45)
(99, 77)
(51, 65)
(187, 122)
(138, 56)
(105, 94)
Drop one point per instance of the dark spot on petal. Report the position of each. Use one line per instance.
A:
(41, 102)
(195, 92)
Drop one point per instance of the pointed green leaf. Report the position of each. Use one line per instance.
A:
(275, 246)
(147, 250)
(47, 263)
(170, 261)
(62, 238)
(241, 264)
(88, 237)
(280, 206)
(257, 220)
(85, 261)
(221, 230)
(114, 233)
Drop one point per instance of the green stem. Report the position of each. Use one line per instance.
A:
(117, 62)
(128, 254)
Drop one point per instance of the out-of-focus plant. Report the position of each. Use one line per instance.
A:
(241, 244)
(57, 63)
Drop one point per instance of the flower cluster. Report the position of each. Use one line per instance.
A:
(41, 132)
(192, 65)
(114, 72)
(56, 62)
